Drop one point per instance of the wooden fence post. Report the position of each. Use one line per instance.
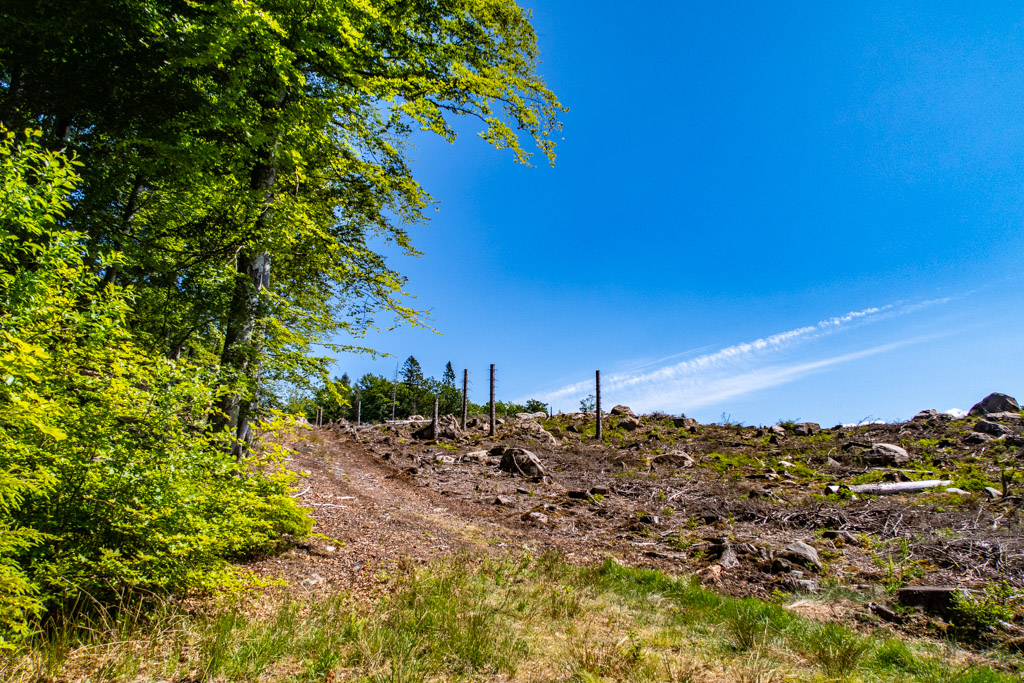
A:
(491, 432)
(433, 423)
(465, 399)
(597, 402)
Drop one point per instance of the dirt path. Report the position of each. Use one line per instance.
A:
(377, 514)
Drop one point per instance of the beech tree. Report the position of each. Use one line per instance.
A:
(242, 155)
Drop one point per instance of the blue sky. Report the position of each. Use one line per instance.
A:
(768, 210)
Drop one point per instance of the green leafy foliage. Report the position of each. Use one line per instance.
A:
(110, 482)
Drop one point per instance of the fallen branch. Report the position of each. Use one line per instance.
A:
(899, 487)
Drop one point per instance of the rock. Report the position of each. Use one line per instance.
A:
(803, 554)
(993, 494)
(313, 580)
(780, 566)
(415, 417)
(444, 460)
(798, 585)
(837, 535)
(578, 495)
(518, 461)
(447, 428)
(622, 410)
(776, 430)
(477, 456)
(887, 454)
(1006, 417)
(925, 415)
(531, 416)
(975, 438)
(630, 424)
(652, 520)
(727, 557)
(987, 427)
(684, 422)
(995, 403)
(959, 492)
(523, 492)
(933, 599)
(806, 429)
(535, 518)
(502, 500)
(600, 490)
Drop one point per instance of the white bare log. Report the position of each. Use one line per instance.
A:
(899, 487)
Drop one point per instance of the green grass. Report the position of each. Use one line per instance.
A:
(472, 619)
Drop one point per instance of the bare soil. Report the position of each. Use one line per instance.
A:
(722, 502)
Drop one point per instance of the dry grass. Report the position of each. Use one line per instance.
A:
(512, 619)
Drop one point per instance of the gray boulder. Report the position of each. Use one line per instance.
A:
(925, 415)
(887, 454)
(518, 461)
(801, 553)
(622, 410)
(806, 429)
(630, 423)
(684, 422)
(995, 403)
(987, 427)
(447, 428)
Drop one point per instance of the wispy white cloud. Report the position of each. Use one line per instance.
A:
(735, 370)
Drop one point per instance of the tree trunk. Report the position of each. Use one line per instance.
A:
(240, 357)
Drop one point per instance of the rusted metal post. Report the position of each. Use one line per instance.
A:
(597, 402)
(465, 399)
(491, 431)
(433, 423)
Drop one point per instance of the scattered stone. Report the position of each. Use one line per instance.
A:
(776, 430)
(481, 457)
(711, 575)
(502, 500)
(933, 599)
(531, 416)
(829, 462)
(622, 410)
(727, 557)
(1006, 417)
(444, 460)
(975, 438)
(987, 427)
(535, 518)
(780, 566)
(684, 422)
(518, 461)
(806, 429)
(887, 454)
(995, 403)
(959, 492)
(925, 415)
(798, 585)
(803, 554)
(629, 423)
(447, 428)
(313, 580)
(993, 494)
(523, 492)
